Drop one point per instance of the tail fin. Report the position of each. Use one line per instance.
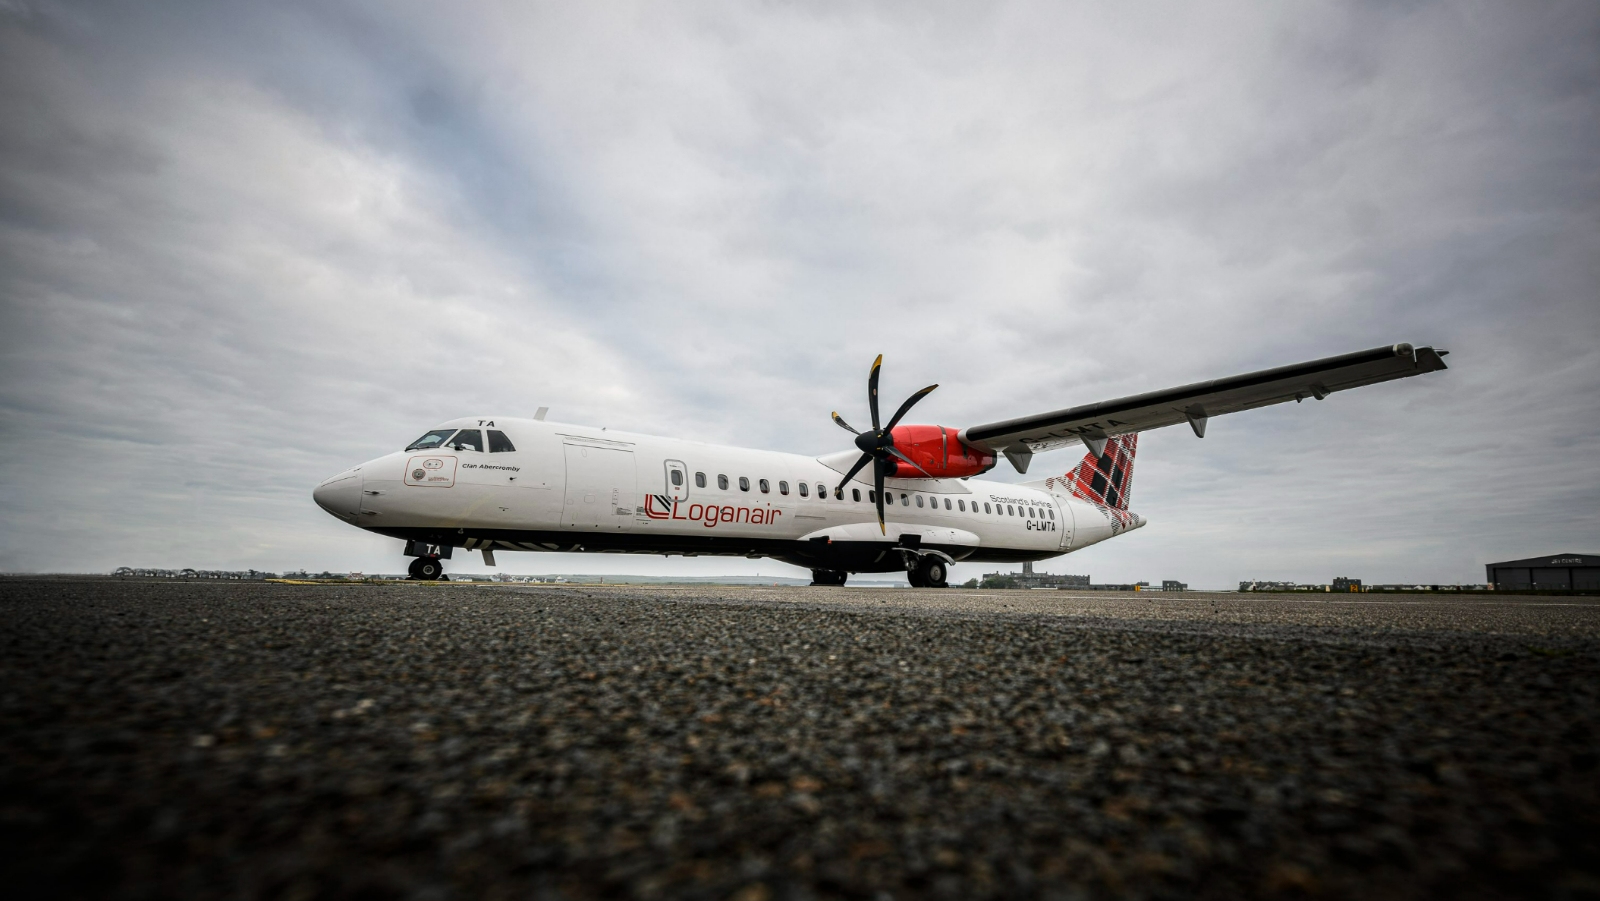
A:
(1106, 480)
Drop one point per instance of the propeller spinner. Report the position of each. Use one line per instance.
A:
(877, 446)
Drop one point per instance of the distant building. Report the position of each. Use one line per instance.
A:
(1292, 586)
(1412, 589)
(1341, 583)
(1030, 579)
(248, 575)
(1560, 571)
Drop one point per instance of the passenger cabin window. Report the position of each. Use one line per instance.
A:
(962, 506)
(906, 501)
(499, 443)
(431, 440)
(674, 475)
(744, 484)
(986, 506)
(1010, 511)
(766, 487)
(804, 490)
(919, 500)
(855, 495)
(699, 480)
(722, 481)
(468, 439)
(783, 487)
(822, 491)
(1052, 513)
(947, 503)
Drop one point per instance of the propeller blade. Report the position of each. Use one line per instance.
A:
(911, 461)
(865, 459)
(905, 407)
(872, 390)
(844, 425)
(879, 464)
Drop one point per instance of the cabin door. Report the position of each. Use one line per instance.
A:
(677, 480)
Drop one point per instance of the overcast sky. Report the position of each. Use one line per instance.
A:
(244, 246)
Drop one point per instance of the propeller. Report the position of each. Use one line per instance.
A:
(877, 446)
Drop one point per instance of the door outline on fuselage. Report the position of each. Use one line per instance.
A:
(678, 492)
(1064, 511)
(600, 487)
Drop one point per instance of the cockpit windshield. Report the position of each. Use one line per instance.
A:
(431, 440)
(467, 439)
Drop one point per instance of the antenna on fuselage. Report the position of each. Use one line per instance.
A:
(539, 413)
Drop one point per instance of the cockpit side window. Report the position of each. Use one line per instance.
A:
(499, 443)
(467, 439)
(431, 440)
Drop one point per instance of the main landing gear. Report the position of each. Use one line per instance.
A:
(928, 572)
(828, 576)
(427, 569)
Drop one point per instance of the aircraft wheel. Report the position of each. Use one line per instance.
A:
(931, 572)
(427, 569)
(827, 577)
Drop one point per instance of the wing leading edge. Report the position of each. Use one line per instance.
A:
(1092, 424)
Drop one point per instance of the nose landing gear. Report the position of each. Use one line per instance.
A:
(427, 568)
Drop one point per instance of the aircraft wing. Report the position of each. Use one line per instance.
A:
(1092, 424)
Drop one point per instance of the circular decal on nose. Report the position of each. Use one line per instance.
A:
(418, 474)
(432, 464)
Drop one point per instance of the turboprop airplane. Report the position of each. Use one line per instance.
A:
(495, 483)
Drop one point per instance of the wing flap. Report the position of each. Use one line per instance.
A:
(1201, 401)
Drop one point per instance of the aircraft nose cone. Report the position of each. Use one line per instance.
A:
(341, 495)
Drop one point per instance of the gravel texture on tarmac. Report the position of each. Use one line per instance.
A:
(440, 741)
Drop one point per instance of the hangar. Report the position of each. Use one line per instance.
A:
(1567, 571)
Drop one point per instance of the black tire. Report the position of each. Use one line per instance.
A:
(429, 569)
(827, 577)
(415, 568)
(931, 572)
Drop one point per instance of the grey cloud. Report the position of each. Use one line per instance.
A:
(247, 246)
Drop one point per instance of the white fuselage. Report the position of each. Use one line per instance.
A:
(576, 488)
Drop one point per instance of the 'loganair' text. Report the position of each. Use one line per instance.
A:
(709, 515)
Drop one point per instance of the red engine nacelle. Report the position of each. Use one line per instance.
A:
(938, 451)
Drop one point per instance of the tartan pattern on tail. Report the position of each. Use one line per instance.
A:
(1106, 480)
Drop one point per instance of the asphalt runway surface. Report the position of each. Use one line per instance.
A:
(443, 741)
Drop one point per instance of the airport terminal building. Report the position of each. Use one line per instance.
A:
(1560, 571)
